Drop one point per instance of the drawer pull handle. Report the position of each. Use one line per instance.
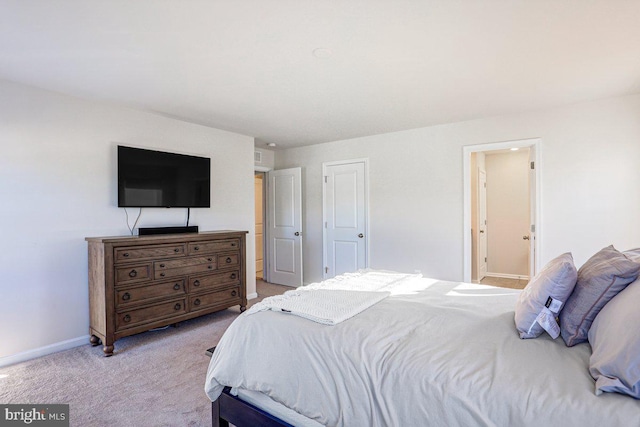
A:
(125, 255)
(233, 275)
(196, 283)
(126, 318)
(133, 273)
(177, 307)
(196, 248)
(228, 260)
(161, 265)
(234, 293)
(196, 302)
(233, 245)
(210, 259)
(162, 274)
(211, 267)
(126, 296)
(176, 250)
(176, 286)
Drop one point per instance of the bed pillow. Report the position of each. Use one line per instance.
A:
(615, 343)
(599, 280)
(542, 299)
(633, 254)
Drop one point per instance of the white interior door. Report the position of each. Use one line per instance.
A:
(482, 224)
(345, 217)
(284, 204)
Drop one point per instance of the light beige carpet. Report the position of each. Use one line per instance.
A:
(153, 379)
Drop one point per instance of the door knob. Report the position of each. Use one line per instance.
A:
(525, 237)
(482, 231)
(361, 235)
(297, 233)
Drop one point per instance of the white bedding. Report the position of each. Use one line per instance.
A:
(337, 299)
(432, 353)
(325, 306)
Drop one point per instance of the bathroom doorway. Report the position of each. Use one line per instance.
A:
(501, 207)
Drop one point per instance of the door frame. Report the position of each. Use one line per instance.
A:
(264, 220)
(482, 199)
(367, 243)
(534, 143)
(265, 212)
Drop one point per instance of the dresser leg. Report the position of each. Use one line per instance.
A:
(94, 340)
(108, 350)
(243, 308)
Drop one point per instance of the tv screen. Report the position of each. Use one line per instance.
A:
(156, 179)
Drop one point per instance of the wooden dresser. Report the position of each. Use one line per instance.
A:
(139, 283)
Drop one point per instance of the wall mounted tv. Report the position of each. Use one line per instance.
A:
(156, 179)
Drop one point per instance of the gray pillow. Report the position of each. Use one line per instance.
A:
(615, 341)
(633, 254)
(542, 299)
(599, 279)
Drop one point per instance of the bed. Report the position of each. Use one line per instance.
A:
(429, 353)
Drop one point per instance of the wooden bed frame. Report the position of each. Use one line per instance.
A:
(230, 409)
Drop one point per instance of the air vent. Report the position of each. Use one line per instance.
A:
(257, 156)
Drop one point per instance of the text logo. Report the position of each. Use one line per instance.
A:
(34, 415)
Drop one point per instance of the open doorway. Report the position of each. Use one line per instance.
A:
(500, 217)
(501, 208)
(260, 211)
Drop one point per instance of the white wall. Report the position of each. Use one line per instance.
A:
(58, 186)
(590, 172)
(507, 213)
(267, 160)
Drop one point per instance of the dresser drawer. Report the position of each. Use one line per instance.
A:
(147, 293)
(214, 246)
(199, 283)
(228, 296)
(228, 260)
(133, 273)
(183, 266)
(135, 253)
(131, 318)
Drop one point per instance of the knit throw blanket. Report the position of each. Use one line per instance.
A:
(334, 300)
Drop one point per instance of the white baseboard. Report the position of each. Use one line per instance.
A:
(252, 296)
(508, 276)
(43, 351)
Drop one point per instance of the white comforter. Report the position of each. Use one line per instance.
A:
(432, 353)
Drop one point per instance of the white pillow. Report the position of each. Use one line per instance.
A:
(542, 299)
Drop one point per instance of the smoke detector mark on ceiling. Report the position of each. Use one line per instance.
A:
(322, 52)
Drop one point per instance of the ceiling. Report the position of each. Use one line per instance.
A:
(383, 65)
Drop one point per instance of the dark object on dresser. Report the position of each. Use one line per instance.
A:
(148, 231)
(139, 283)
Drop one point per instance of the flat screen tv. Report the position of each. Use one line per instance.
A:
(157, 179)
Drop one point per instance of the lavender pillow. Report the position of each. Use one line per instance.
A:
(633, 254)
(615, 341)
(599, 280)
(542, 299)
